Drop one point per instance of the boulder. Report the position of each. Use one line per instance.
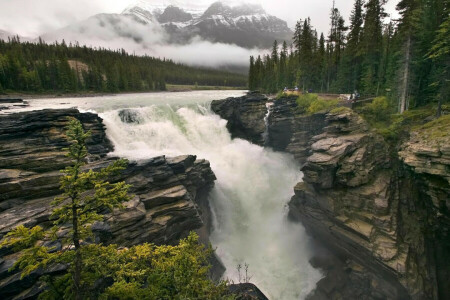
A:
(246, 291)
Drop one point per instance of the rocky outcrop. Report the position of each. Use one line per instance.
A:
(427, 154)
(347, 198)
(34, 141)
(361, 201)
(246, 291)
(167, 192)
(287, 128)
(290, 130)
(245, 116)
(425, 160)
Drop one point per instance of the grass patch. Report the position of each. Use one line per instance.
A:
(340, 110)
(322, 105)
(312, 103)
(392, 126)
(436, 129)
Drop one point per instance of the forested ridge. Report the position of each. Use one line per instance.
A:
(407, 60)
(48, 68)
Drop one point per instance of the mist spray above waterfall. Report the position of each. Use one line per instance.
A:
(249, 199)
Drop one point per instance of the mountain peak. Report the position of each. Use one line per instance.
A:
(139, 12)
(217, 8)
(243, 24)
(174, 14)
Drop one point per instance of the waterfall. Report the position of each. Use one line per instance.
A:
(266, 122)
(249, 200)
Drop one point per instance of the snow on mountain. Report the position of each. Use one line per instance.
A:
(215, 35)
(246, 25)
(142, 14)
(157, 7)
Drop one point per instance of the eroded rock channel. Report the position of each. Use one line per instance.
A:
(380, 213)
(379, 216)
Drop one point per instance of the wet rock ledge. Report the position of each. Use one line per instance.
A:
(245, 116)
(168, 192)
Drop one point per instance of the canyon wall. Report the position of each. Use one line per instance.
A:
(382, 211)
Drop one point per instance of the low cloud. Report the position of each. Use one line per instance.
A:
(124, 32)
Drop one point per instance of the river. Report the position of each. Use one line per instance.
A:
(252, 189)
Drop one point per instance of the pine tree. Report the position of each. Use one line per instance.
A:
(322, 62)
(85, 195)
(410, 12)
(349, 72)
(259, 72)
(354, 43)
(283, 76)
(298, 35)
(440, 54)
(274, 55)
(372, 45)
(251, 74)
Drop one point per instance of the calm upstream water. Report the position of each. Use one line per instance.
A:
(252, 189)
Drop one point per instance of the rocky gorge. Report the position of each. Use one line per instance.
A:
(169, 194)
(379, 210)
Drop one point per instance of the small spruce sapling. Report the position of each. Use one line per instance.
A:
(86, 193)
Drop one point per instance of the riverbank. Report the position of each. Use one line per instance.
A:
(173, 88)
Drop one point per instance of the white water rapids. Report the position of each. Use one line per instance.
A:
(253, 186)
(249, 199)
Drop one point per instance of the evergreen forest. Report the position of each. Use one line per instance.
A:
(60, 68)
(405, 59)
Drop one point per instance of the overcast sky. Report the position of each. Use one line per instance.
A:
(31, 18)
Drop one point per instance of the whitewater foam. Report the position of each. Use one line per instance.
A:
(249, 200)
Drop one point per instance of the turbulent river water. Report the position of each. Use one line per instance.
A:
(252, 189)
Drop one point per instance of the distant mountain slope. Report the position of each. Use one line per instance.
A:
(5, 34)
(245, 25)
(152, 23)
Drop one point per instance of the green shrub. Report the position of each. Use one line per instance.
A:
(322, 105)
(159, 272)
(311, 103)
(305, 100)
(281, 94)
(340, 110)
(379, 109)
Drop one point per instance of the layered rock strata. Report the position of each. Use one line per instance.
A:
(167, 192)
(245, 116)
(290, 130)
(286, 127)
(382, 213)
(389, 216)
